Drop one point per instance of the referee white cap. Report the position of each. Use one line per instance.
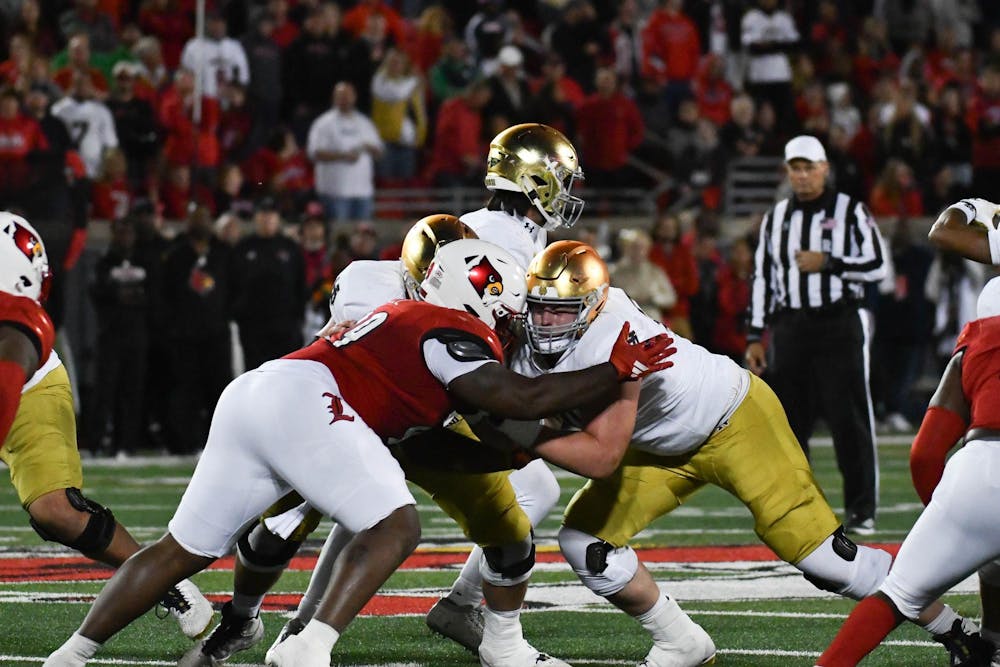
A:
(804, 147)
(988, 304)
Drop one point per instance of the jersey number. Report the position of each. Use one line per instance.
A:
(367, 324)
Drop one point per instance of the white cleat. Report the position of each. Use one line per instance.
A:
(522, 655)
(695, 649)
(192, 610)
(296, 652)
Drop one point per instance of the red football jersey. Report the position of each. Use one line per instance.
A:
(380, 369)
(981, 371)
(29, 316)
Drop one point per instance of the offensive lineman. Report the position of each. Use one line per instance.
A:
(707, 421)
(405, 365)
(955, 535)
(38, 426)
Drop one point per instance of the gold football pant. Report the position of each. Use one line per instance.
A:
(755, 457)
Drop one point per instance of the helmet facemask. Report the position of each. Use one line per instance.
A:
(552, 196)
(559, 338)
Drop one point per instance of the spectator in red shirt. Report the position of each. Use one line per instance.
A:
(711, 90)
(179, 196)
(874, 56)
(18, 63)
(457, 154)
(984, 119)
(424, 46)
(554, 74)
(285, 30)
(166, 21)
(78, 53)
(896, 193)
(670, 51)
(356, 19)
(730, 333)
(111, 196)
(20, 136)
(609, 127)
(671, 255)
(186, 142)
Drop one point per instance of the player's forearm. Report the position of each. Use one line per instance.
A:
(952, 233)
(514, 396)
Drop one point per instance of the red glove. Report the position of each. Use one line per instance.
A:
(636, 360)
(938, 433)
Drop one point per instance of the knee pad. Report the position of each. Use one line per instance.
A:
(840, 566)
(601, 567)
(97, 534)
(537, 490)
(509, 564)
(260, 550)
(989, 573)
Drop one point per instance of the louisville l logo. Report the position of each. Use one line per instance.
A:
(336, 408)
(486, 279)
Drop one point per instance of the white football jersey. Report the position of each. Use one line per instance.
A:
(680, 407)
(519, 236)
(91, 127)
(365, 285)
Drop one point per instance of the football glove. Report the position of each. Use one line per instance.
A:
(979, 211)
(636, 360)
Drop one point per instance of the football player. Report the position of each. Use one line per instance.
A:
(38, 425)
(315, 422)
(954, 536)
(707, 421)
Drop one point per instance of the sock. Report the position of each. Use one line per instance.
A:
(665, 620)
(870, 622)
(247, 606)
(468, 588)
(942, 622)
(335, 543)
(79, 647)
(320, 635)
(502, 626)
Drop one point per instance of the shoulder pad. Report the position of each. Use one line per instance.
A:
(464, 346)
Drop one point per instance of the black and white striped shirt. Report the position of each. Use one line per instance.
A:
(836, 224)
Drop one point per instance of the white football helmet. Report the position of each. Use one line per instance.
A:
(478, 277)
(24, 265)
(988, 304)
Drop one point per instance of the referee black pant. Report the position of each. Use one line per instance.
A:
(820, 368)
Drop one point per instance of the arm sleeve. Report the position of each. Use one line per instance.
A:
(760, 288)
(868, 265)
(447, 361)
(938, 433)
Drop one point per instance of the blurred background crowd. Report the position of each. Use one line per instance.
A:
(242, 170)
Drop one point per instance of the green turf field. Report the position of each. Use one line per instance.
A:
(759, 612)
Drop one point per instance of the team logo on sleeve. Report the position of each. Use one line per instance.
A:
(336, 408)
(486, 279)
(27, 242)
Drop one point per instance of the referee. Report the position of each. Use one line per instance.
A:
(815, 252)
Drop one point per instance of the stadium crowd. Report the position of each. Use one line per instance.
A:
(307, 108)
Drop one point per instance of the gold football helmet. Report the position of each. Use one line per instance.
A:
(422, 241)
(567, 274)
(540, 162)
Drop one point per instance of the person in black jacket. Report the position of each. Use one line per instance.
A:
(121, 294)
(269, 288)
(196, 278)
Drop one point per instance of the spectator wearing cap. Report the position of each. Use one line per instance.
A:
(78, 62)
(269, 289)
(807, 288)
(609, 127)
(344, 144)
(457, 153)
(510, 89)
(216, 57)
(671, 48)
(135, 123)
(196, 313)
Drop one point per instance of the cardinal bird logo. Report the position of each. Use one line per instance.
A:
(486, 279)
(27, 243)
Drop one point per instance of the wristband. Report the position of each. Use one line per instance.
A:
(966, 208)
(993, 236)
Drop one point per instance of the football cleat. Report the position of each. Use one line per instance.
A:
(296, 652)
(191, 609)
(460, 623)
(859, 526)
(965, 646)
(695, 649)
(521, 655)
(233, 634)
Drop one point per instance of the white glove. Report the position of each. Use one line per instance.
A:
(979, 210)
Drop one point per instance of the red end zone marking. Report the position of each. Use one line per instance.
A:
(78, 568)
